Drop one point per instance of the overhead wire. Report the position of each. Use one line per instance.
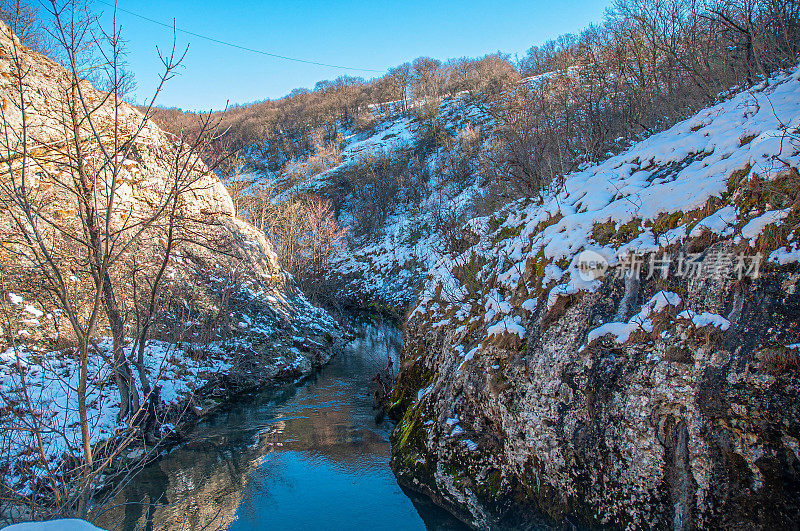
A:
(234, 45)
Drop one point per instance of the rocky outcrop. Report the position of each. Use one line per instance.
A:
(699, 429)
(228, 318)
(221, 267)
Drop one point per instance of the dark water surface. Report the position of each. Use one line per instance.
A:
(307, 457)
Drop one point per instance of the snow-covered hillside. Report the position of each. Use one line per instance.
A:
(691, 179)
(386, 269)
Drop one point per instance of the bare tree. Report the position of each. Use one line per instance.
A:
(24, 20)
(77, 210)
(401, 77)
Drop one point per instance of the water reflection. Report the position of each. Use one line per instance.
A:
(295, 458)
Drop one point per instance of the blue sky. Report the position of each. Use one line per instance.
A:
(365, 34)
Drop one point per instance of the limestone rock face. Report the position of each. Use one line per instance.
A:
(696, 427)
(221, 267)
(33, 92)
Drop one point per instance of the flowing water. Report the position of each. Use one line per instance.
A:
(301, 457)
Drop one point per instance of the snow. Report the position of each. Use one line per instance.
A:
(676, 235)
(397, 135)
(641, 321)
(33, 311)
(69, 524)
(423, 392)
(15, 299)
(756, 226)
(705, 319)
(467, 357)
(495, 305)
(622, 331)
(784, 255)
(721, 222)
(507, 325)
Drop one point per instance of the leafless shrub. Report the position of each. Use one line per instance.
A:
(304, 234)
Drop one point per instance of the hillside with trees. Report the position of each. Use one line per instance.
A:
(439, 142)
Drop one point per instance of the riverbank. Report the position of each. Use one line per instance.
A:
(271, 345)
(265, 458)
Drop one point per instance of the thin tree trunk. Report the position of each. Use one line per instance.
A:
(84, 420)
(128, 396)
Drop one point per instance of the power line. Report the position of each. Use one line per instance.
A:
(233, 45)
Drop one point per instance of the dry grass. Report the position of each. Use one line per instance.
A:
(778, 360)
(698, 244)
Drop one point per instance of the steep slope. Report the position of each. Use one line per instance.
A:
(411, 186)
(230, 319)
(624, 352)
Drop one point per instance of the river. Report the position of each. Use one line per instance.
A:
(303, 456)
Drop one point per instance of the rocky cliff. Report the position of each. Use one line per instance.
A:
(217, 256)
(623, 353)
(229, 318)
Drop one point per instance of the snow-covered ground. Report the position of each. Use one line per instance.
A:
(38, 387)
(67, 524)
(49, 381)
